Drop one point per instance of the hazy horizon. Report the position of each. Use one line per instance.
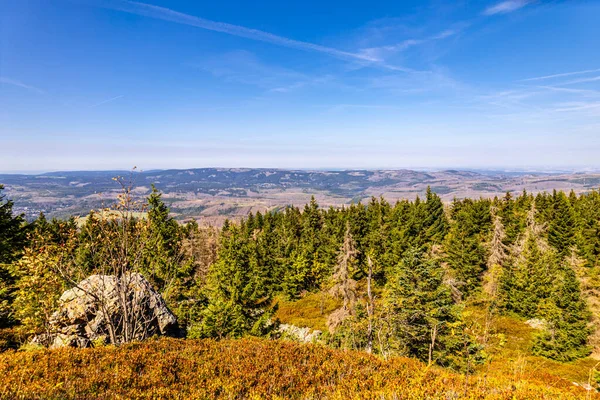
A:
(524, 169)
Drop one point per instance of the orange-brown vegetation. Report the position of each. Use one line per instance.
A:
(253, 369)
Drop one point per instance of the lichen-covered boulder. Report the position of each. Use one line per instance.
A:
(110, 309)
(304, 335)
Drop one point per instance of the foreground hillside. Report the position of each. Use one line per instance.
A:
(252, 369)
(505, 289)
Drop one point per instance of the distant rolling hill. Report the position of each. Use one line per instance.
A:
(214, 194)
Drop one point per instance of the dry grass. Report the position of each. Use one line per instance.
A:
(311, 311)
(510, 351)
(509, 347)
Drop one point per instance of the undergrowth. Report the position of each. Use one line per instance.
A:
(310, 311)
(253, 369)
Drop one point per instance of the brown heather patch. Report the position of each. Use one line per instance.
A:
(252, 369)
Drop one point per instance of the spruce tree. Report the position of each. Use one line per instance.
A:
(7, 281)
(465, 253)
(506, 211)
(311, 241)
(529, 279)
(543, 205)
(378, 237)
(540, 284)
(590, 242)
(238, 299)
(13, 231)
(561, 231)
(161, 265)
(435, 223)
(564, 338)
(415, 225)
(420, 308)
(399, 233)
(295, 276)
(13, 235)
(588, 237)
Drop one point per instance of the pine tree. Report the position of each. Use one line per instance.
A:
(529, 279)
(465, 253)
(588, 237)
(561, 231)
(514, 215)
(295, 276)
(378, 238)
(311, 242)
(161, 265)
(13, 231)
(238, 299)
(13, 238)
(420, 308)
(7, 282)
(415, 223)
(566, 315)
(506, 211)
(590, 241)
(359, 221)
(399, 233)
(435, 223)
(539, 284)
(543, 205)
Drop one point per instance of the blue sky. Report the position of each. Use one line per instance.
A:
(109, 84)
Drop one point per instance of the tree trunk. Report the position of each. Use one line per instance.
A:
(432, 344)
(370, 307)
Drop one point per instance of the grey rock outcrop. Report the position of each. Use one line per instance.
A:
(304, 335)
(537, 323)
(108, 309)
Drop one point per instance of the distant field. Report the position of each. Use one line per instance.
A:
(214, 194)
(107, 214)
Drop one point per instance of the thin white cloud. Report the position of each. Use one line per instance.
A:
(539, 78)
(444, 34)
(244, 67)
(378, 52)
(576, 106)
(320, 80)
(576, 81)
(166, 14)
(108, 100)
(349, 107)
(506, 7)
(583, 92)
(13, 82)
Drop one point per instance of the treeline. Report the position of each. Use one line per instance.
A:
(514, 255)
(403, 272)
